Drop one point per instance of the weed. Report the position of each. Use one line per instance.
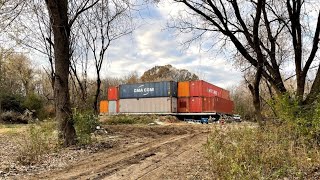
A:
(40, 139)
(274, 152)
(85, 124)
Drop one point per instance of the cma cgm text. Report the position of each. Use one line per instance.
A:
(143, 90)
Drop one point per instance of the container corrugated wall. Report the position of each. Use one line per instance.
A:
(204, 89)
(113, 93)
(148, 90)
(104, 106)
(205, 104)
(223, 105)
(225, 94)
(195, 104)
(148, 105)
(183, 89)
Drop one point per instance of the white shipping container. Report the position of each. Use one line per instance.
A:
(112, 107)
(149, 105)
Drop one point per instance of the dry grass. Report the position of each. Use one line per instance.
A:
(274, 152)
(38, 140)
(130, 119)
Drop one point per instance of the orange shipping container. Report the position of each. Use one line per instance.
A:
(104, 106)
(183, 89)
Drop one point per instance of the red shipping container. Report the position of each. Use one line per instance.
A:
(113, 93)
(222, 105)
(204, 89)
(209, 104)
(225, 94)
(195, 104)
(183, 105)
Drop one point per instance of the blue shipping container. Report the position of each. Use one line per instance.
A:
(150, 89)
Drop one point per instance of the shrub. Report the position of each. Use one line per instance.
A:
(274, 152)
(306, 122)
(40, 139)
(35, 103)
(85, 124)
(12, 103)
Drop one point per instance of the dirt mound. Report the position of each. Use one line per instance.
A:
(147, 131)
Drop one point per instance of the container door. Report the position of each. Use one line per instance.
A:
(112, 107)
(183, 89)
(183, 105)
(174, 105)
(104, 106)
(113, 93)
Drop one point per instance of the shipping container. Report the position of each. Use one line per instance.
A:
(223, 105)
(183, 104)
(196, 104)
(148, 90)
(208, 104)
(148, 105)
(104, 106)
(225, 94)
(113, 107)
(113, 93)
(201, 88)
(183, 89)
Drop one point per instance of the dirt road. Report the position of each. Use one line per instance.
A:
(158, 152)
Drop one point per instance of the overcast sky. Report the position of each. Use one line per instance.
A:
(153, 44)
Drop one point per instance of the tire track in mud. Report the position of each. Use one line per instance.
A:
(167, 158)
(152, 159)
(101, 164)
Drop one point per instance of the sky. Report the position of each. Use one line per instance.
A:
(154, 44)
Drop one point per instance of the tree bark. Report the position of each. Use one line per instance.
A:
(58, 10)
(96, 97)
(255, 92)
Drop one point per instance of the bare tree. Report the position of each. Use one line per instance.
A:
(100, 26)
(62, 15)
(262, 31)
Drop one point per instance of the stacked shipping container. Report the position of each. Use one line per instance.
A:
(151, 97)
(161, 97)
(201, 96)
(113, 98)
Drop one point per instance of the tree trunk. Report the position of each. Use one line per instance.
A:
(314, 92)
(96, 97)
(255, 92)
(58, 10)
